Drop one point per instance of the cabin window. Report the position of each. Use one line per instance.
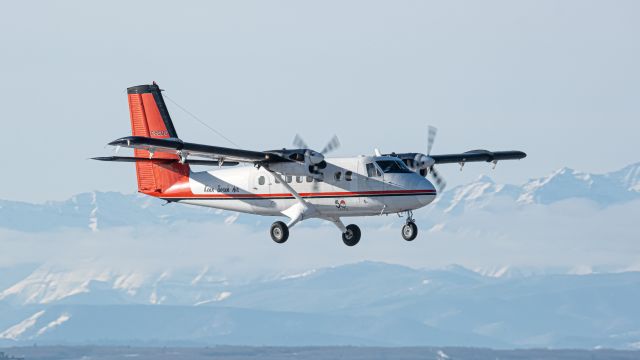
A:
(277, 180)
(288, 179)
(372, 170)
(309, 179)
(261, 180)
(337, 175)
(299, 179)
(348, 175)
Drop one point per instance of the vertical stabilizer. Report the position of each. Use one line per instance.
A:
(150, 118)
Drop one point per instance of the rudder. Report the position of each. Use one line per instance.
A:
(150, 118)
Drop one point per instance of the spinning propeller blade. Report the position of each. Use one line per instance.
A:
(298, 142)
(432, 137)
(332, 145)
(439, 180)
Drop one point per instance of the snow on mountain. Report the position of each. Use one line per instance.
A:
(97, 210)
(94, 285)
(44, 286)
(567, 183)
(628, 177)
(53, 324)
(15, 331)
(480, 193)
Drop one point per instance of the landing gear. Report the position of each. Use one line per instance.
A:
(352, 236)
(279, 232)
(410, 229)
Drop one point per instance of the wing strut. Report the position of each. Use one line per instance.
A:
(300, 210)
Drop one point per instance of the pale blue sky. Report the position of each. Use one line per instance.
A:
(557, 79)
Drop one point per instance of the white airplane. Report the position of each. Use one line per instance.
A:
(297, 183)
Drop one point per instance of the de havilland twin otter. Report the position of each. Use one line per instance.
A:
(297, 183)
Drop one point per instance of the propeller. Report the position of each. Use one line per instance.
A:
(316, 157)
(313, 158)
(426, 163)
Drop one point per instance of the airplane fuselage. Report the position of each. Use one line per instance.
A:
(355, 186)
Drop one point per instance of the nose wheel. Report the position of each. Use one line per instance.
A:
(279, 232)
(410, 229)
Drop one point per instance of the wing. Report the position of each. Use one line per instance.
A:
(185, 149)
(142, 159)
(478, 155)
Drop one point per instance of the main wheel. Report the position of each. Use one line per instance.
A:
(409, 231)
(279, 232)
(352, 236)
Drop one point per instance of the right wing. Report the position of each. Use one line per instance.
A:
(185, 149)
(143, 159)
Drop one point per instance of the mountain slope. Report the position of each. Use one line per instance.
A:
(365, 303)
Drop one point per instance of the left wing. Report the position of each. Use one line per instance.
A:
(478, 155)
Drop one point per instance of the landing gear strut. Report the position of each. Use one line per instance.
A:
(352, 236)
(279, 232)
(410, 229)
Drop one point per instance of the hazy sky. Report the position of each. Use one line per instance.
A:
(557, 79)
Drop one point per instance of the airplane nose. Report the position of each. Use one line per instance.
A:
(430, 191)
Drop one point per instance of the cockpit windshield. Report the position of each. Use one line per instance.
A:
(392, 166)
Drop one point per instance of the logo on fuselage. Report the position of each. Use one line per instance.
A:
(221, 189)
(341, 204)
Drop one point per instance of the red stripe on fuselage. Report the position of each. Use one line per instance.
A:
(280, 195)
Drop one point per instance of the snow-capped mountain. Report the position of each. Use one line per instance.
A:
(366, 303)
(99, 210)
(566, 183)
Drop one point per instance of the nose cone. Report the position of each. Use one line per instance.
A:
(427, 191)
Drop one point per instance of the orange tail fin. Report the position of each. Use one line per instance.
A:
(150, 118)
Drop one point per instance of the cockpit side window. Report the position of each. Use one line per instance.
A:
(393, 166)
(372, 170)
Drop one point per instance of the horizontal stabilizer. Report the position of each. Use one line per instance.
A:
(166, 161)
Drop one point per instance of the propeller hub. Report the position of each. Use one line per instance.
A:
(313, 157)
(423, 162)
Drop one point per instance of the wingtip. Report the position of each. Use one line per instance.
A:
(101, 158)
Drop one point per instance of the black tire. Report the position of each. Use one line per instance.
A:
(352, 236)
(279, 232)
(409, 231)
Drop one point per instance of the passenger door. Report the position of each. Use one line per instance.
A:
(375, 177)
